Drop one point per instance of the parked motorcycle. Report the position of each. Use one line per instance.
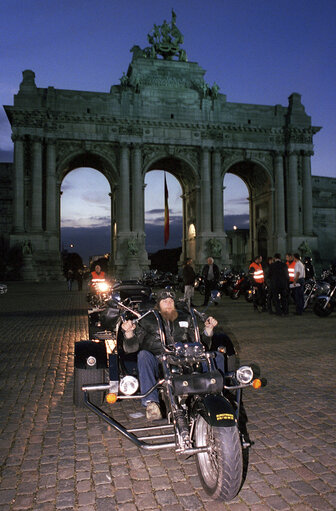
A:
(242, 286)
(203, 406)
(325, 303)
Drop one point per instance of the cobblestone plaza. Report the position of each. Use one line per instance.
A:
(56, 457)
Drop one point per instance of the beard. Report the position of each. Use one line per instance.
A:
(169, 316)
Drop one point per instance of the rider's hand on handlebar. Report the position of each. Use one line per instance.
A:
(128, 327)
(209, 325)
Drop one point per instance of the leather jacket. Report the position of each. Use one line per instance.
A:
(146, 334)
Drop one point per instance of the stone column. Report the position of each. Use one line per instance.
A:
(19, 195)
(307, 195)
(137, 191)
(279, 194)
(217, 194)
(293, 198)
(37, 186)
(124, 196)
(51, 192)
(205, 193)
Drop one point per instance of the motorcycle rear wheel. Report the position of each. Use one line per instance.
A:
(321, 310)
(221, 469)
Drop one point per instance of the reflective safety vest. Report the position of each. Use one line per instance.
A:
(98, 276)
(290, 267)
(258, 273)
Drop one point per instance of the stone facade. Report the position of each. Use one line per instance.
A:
(163, 116)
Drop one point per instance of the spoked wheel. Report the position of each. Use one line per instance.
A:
(220, 469)
(322, 308)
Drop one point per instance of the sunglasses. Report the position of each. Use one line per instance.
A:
(166, 294)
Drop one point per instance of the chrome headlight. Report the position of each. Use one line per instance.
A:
(128, 385)
(91, 361)
(103, 287)
(244, 374)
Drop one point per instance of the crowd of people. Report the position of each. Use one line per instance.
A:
(273, 284)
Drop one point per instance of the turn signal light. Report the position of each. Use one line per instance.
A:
(111, 398)
(256, 384)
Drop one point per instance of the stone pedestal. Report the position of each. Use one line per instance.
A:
(28, 271)
(132, 271)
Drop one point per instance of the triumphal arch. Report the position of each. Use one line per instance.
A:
(163, 115)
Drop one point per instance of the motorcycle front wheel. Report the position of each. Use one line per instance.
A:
(321, 309)
(221, 468)
(235, 294)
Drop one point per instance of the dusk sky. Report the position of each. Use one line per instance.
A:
(258, 52)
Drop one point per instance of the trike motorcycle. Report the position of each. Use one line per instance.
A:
(202, 405)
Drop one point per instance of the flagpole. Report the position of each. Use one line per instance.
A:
(166, 212)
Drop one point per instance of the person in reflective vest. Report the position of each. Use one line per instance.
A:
(98, 274)
(257, 274)
(290, 265)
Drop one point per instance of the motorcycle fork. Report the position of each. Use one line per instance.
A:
(178, 411)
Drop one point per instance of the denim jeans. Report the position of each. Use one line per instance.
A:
(148, 370)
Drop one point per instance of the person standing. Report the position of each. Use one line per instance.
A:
(268, 292)
(279, 283)
(79, 278)
(290, 265)
(188, 280)
(210, 274)
(70, 278)
(298, 282)
(256, 271)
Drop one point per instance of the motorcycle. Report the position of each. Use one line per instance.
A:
(99, 290)
(243, 285)
(312, 289)
(203, 407)
(325, 303)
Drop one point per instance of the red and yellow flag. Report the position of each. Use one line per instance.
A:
(166, 213)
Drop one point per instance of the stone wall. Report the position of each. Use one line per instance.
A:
(324, 216)
(6, 199)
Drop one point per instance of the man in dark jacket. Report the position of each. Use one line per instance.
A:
(188, 280)
(210, 273)
(144, 338)
(279, 282)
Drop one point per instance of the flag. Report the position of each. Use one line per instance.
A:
(166, 213)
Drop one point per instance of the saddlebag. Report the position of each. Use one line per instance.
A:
(197, 383)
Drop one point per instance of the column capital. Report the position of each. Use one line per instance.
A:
(51, 141)
(293, 152)
(36, 139)
(278, 154)
(17, 138)
(308, 153)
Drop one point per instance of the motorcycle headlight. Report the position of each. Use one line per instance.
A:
(244, 374)
(128, 385)
(91, 361)
(103, 287)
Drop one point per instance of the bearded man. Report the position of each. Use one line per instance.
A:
(144, 338)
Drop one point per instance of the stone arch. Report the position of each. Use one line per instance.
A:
(260, 183)
(187, 175)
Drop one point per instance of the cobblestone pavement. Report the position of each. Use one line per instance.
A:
(56, 457)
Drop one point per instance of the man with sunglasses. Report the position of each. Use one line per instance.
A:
(144, 338)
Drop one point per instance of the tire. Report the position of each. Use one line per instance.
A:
(84, 377)
(235, 294)
(201, 289)
(320, 311)
(221, 469)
